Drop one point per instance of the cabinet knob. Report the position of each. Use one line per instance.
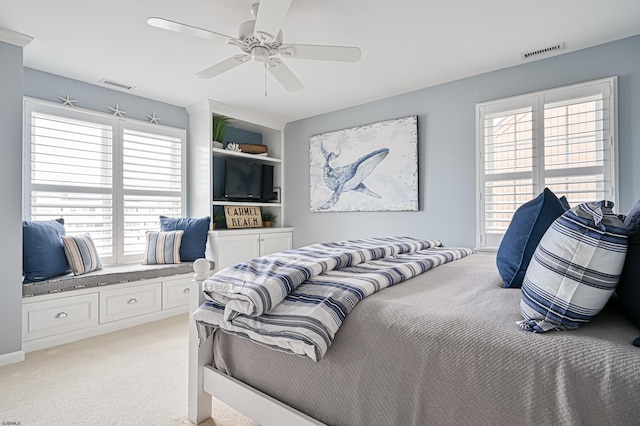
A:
(186, 290)
(62, 315)
(132, 301)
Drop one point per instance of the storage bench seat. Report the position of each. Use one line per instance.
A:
(108, 275)
(69, 308)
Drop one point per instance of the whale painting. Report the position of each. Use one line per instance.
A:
(366, 168)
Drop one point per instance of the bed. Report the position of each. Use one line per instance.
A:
(440, 348)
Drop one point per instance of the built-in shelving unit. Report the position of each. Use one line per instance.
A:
(204, 158)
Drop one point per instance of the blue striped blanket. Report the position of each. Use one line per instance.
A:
(295, 301)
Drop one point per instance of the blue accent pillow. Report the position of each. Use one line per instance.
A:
(528, 225)
(194, 240)
(43, 254)
(628, 290)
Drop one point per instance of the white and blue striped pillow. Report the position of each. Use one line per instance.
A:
(81, 253)
(575, 269)
(162, 247)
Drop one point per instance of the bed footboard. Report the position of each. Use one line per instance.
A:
(253, 403)
(205, 381)
(200, 356)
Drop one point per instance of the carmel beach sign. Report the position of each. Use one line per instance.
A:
(243, 217)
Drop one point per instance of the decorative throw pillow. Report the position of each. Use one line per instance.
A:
(81, 253)
(194, 240)
(629, 287)
(162, 247)
(575, 269)
(527, 227)
(42, 250)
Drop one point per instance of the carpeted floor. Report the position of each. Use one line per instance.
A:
(136, 376)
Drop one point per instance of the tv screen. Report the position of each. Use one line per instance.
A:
(248, 181)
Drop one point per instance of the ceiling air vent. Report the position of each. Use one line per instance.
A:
(118, 85)
(544, 50)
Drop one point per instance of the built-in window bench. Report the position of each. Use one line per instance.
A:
(69, 308)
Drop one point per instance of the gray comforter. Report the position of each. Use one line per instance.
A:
(444, 348)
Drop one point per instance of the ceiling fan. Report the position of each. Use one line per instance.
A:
(261, 39)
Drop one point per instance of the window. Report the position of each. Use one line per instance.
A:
(107, 176)
(563, 139)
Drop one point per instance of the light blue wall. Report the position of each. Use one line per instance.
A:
(43, 85)
(11, 86)
(446, 134)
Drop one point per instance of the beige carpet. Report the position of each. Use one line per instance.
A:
(136, 376)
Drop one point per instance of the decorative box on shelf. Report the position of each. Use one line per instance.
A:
(250, 148)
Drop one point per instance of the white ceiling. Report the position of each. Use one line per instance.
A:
(406, 45)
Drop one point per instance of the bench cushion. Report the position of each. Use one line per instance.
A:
(108, 275)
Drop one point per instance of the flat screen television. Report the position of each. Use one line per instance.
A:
(245, 180)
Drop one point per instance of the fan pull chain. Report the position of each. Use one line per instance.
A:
(265, 79)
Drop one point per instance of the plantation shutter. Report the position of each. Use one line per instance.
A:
(562, 139)
(152, 183)
(508, 167)
(71, 175)
(578, 142)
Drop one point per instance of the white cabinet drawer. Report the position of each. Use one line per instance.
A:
(128, 302)
(50, 317)
(175, 293)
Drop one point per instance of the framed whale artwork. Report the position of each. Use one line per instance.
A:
(366, 168)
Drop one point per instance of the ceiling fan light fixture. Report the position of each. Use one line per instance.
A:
(260, 54)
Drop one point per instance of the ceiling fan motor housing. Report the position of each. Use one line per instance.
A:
(250, 41)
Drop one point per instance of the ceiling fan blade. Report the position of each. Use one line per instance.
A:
(270, 17)
(324, 53)
(283, 74)
(177, 27)
(224, 66)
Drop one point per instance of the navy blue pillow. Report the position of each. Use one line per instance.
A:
(628, 289)
(565, 203)
(194, 239)
(528, 225)
(43, 255)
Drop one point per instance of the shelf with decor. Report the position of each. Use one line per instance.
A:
(208, 161)
(219, 152)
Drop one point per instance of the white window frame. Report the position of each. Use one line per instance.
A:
(119, 125)
(537, 101)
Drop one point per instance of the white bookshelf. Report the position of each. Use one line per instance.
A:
(202, 153)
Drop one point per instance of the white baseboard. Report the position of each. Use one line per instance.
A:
(11, 358)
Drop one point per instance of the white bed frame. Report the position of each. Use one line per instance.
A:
(205, 381)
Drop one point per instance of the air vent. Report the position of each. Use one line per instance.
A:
(118, 85)
(543, 51)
